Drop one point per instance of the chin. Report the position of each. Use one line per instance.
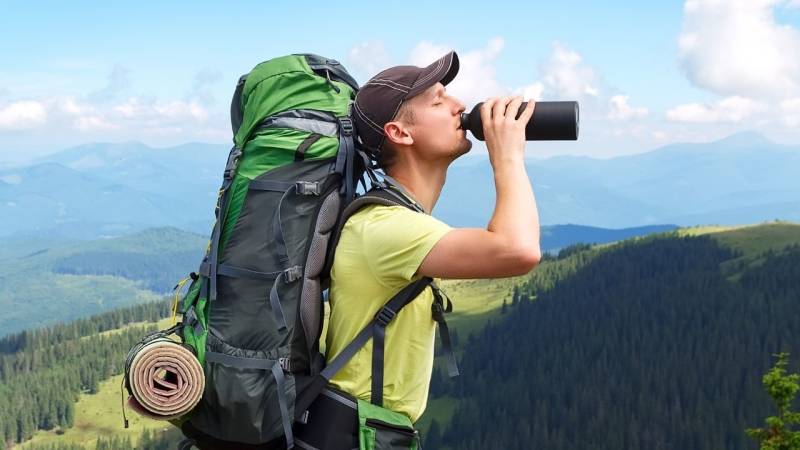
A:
(464, 148)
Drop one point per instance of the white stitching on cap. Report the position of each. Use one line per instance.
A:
(404, 91)
(397, 109)
(367, 120)
(390, 81)
(428, 76)
(431, 74)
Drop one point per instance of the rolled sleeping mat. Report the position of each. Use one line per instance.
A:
(165, 379)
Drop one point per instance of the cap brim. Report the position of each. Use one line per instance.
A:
(442, 70)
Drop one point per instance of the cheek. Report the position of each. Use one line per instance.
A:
(436, 130)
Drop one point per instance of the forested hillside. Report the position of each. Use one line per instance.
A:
(43, 282)
(657, 342)
(649, 345)
(42, 372)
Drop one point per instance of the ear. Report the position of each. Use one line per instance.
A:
(398, 133)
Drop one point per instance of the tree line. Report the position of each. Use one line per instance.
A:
(41, 381)
(148, 440)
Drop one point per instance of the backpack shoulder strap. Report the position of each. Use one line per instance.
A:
(388, 195)
(376, 196)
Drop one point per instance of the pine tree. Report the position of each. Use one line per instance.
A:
(778, 434)
(433, 439)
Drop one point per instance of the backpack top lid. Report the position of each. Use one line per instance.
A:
(292, 82)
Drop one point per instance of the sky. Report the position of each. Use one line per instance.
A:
(646, 74)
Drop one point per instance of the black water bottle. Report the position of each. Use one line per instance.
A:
(551, 121)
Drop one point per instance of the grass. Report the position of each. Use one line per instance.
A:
(441, 409)
(476, 301)
(757, 239)
(755, 242)
(98, 415)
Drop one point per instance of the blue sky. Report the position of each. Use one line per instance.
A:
(646, 74)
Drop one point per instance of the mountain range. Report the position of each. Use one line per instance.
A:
(99, 190)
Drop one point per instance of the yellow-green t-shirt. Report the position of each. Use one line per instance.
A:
(378, 254)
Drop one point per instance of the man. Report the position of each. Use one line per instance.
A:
(405, 115)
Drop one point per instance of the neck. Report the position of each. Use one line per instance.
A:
(422, 179)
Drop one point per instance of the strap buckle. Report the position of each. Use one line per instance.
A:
(307, 187)
(384, 316)
(303, 418)
(233, 162)
(438, 311)
(346, 125)
(293, 273)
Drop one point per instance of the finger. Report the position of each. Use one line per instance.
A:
(513, 108)
(528, 111)
(499, 108)
(486, 110)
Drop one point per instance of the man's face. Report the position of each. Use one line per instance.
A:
(436, 126)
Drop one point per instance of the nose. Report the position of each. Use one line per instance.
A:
(458, 105)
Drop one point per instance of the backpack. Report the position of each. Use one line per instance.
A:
(254, 311)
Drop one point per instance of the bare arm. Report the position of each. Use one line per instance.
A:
(509, 246)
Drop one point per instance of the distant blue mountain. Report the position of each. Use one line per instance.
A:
(112, 189)
(101, 190)
(743, 178)
(556, 237)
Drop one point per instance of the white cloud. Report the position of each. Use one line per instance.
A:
(476, 78)
(130, 108)
(368, 58)
(659, 135)
(730, 109)
(565, 75)
(136, 108)
(632, 131)
(532, 91)
(72, 107)
(21, 115)
(736, 48)
(93, 123)
(426, 52)
(790, 111)
(619, 109)
(182, 110)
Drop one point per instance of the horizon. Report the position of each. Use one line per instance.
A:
(472, 155)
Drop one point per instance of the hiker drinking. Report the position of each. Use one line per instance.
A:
(407, 120)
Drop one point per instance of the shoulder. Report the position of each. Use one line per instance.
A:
(394, 239)
(396, 217)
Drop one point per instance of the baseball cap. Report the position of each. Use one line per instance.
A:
(379, 99)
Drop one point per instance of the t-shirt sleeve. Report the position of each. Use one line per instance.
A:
(396, 241)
